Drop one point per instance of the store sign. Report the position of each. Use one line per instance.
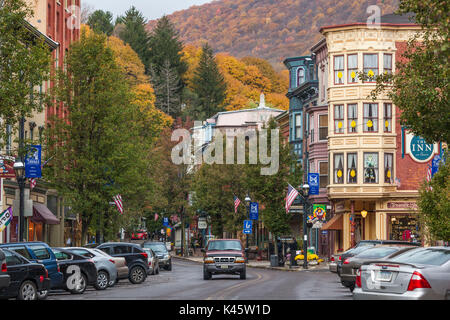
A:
(402, 205)
(202, 223)
(320, 211)
(6, 167)
(418, 149)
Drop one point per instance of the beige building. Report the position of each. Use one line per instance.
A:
(369, 170)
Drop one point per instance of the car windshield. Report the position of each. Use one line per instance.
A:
(427, 256)
(157, 247)
(376, 253)
(225, 245)
(101, 252)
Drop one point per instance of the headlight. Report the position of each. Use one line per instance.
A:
(208, 260)
(166, 257)
(239, 260)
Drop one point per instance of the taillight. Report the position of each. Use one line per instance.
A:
(150, 263)
(4, 267)
(332, 259)
(418, 281)
(145, 255)
(57, 268)
(358, 278)
(112, 261)
(41, 278)
(91, 260)
(340, 258)
(346, 261)
(46, 272)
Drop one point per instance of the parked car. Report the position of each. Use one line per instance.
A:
(224, 256)
(79, 272)
(160, 248)
(139, 235)
(106, 268)
(351, 265)
(120, 263)
(26, 278)
(363, 245)
(4, 276)
(420, 273)
(135, 256)
(39, 252)
(153, 261)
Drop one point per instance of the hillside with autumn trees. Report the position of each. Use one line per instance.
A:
(268, 29)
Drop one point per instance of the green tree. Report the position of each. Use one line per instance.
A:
(434, 204)
(101, 21)
(133, 32)
(209, 86)
(24, 65)
(420, 88)
(164, 44)
(98, 151)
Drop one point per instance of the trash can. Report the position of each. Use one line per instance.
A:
(273, 260)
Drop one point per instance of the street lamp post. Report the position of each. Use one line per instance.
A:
(247, 201)
(305, 193)
(19, 169)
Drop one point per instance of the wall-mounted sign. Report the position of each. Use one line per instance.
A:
(419, 149)
(202, 224)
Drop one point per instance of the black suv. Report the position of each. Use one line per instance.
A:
(136, 258)
(4, 276)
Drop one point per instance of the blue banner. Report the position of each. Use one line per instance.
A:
(33, 162)
(313, 181)
(254, 211)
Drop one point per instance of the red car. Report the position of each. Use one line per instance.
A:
(139, 235)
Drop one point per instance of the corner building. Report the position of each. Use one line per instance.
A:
(375, 165)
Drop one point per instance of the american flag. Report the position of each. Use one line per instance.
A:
(429, 176)
(236, 203)
(291, 195)
(156, 216)
(118, 201)
(33, 183)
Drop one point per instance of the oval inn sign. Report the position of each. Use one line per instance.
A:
(418, 148)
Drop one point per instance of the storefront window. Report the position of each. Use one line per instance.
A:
(339, 168)
(34, 231)
(352, 162)
(370, 167)
(403, 228)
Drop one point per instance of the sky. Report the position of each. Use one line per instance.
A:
(151, 9)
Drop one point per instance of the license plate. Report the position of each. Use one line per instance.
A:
(383, 276)
(224, 266)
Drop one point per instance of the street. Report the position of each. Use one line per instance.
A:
(185, 282)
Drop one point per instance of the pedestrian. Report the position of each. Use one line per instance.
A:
(193, 245)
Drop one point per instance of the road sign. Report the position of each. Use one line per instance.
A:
(247, 226)
(202, 223)
(166, 222)
(313, 181)
(254, 210)
(33, 162)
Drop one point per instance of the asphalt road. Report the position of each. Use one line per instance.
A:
(185, 282)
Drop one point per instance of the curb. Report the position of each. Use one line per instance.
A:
(315, 269)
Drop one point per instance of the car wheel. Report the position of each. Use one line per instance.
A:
(137, 275)
(157, 270)
(102, 280)
(42, 295)
(27, 291)
(206, 275)
(352, 287)
(169, 267)
(243, 275)
(81, 286)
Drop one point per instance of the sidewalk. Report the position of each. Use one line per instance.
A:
(265, 264)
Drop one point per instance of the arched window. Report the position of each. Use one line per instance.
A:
(300, 76)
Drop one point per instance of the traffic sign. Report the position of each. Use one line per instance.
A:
(166, 222)
(247, 226)
(254, 211)
(313, 181)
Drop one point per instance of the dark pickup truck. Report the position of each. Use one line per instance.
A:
(224, 256)
(4, 276)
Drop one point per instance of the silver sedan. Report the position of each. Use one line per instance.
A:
(422, 273)
(106, 269)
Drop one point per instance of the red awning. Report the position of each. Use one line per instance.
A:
(41, 214)
(335, 223)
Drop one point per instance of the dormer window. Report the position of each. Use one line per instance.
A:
(300, 76)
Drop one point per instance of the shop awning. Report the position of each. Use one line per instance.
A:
(335, 223)
(41, 214)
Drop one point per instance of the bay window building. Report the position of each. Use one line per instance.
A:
(374, 162)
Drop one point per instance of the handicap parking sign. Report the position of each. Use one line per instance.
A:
(166, 221)
(247, 226)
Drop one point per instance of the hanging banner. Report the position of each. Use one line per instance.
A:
(320, 211)
(7, 167)
(33, 162)
(5, 218)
